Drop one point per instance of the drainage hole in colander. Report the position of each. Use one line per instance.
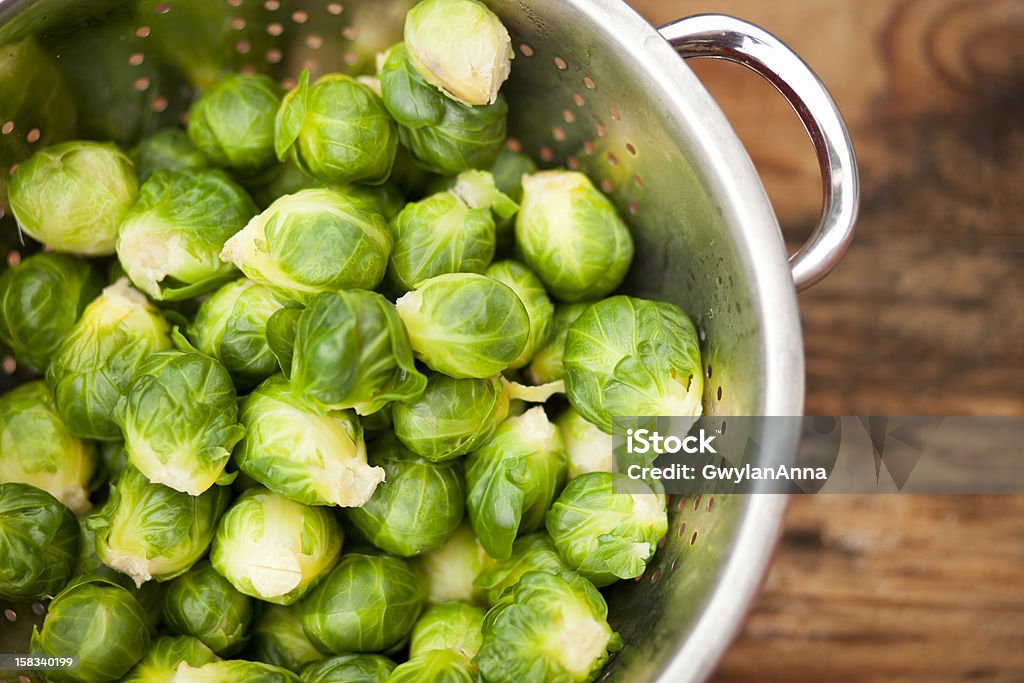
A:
(573, 163)
(547, 154)
(589, 82)
(656, 577)
(335, 8)
(719, 394)
(708, 371)
(672, 567)
(601, 131)
(272, 5)
(558, 133)
(275, 29)
(631, 149)
(711, 503)
(634, 208)
(607, 185)
(693, 539)
(568, 116)
(300, 17)
(14, 256)
(682, 504)
(10, 615)
(9, 365)
(723, 427)
(560, 64)
(682, 530)
(525, 50)
(696, 503)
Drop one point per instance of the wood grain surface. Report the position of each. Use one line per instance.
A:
(924, 316)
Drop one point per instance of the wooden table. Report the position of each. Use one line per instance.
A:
(924, 316)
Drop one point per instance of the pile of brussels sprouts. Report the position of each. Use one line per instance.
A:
(295, 431)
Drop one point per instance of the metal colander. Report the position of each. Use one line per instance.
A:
(595, 88)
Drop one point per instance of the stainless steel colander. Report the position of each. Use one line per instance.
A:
(594, 87)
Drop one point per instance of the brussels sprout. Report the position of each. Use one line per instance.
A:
(165, 655)
(513, 479)
(88, 562)
(179, 417)
(281, 329)
(461, 47)
(449, 626)
(448, 232)
(465, 325)
(508, 171)
(546, 364)
(417, 507)
(279, 180)
(311, 456)
(533, 552)
(40, 300)
(444, 136)
(310, 242)
(39, 542)
(349, 669)
(452, 416)
(369, 603)
(203, 604)
(274, 549)
(149, 531)
(607, 526)
(571, 236)
(337, 130)
(547, 628)
(278, 639)
(589, 449)
(234, 671)
(386, 199)
(232, 124)
(94, 363)
(72, 196)
(530, 291)
(378, 423)
(168, 149)
(100, 622)
(36, 447)
(627, 356)
(449, 571)
(171, 239)
(113, 459)
(436, 666)
(351, 351)
(231, 326)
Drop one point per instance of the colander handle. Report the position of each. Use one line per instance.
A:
(724, 37)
